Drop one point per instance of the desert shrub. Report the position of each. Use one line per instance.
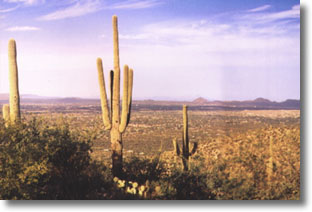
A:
(244, 177)
(162, 183)
(141, 170)
(227, 187)
(178, 184)
(189, 185)
(39, 161)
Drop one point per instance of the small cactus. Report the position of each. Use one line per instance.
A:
(270, 167)
(15, 114)
(185, 151)
(131, 187)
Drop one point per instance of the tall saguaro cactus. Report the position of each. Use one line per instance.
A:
(185, 151)
(15, 114)
(112, 120)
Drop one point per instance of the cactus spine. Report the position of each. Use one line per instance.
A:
(112, 120)
(15, 114)
(184, 153)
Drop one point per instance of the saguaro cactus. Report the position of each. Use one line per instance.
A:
(185, 152)
(15, 114)
(112, 120)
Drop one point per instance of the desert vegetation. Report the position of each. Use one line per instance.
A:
(232, 161)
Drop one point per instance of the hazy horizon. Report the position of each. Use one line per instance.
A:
(218, 50)
(155, 98)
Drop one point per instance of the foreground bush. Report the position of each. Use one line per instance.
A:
(38, 161)
(142, 170)
(161, 183)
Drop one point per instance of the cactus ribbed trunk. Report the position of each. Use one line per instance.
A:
(116, 82)
(114, 122)
(15, 114)
(116, 145)
(116, 142)
(185, 142)
(185, 129)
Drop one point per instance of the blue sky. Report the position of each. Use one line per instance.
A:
(179, 49)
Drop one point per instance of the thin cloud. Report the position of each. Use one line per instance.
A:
(135, 4)
(222, 37)
(296, 7)
(80, 8)
(142, 36)
(265, 17)
(26, 2)
(84, 7)
(293, 13)
(22, 29)
(7, 10)
(258, 9)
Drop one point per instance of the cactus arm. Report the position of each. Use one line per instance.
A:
(15, 114)
(104, 105)
(195, 146)
(130, 88)
(116, 82)
(176, 146)
(183, 145)
(124, 113)
(6, 114)
(184, 154)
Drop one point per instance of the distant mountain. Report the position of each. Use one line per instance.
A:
(258, 103)
(200, 100)
(290, 103)
(202, 103)
(262, 100)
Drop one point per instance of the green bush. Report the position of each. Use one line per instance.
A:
(188, 185)
(38, 161)
(141, 170)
